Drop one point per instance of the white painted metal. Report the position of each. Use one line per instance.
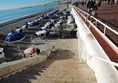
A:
(93, 53)
(114, 47)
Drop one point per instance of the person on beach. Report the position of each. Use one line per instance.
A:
(26, 25)
(33, 52)
(61, 32)
(38, 51)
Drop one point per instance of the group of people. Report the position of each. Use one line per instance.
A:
(92, 6)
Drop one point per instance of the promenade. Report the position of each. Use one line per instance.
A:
(108, 14)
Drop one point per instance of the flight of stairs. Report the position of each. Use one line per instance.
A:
(62, 66)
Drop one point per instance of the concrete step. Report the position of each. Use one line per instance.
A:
(62, 66)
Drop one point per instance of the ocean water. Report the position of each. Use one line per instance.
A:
(7, 15)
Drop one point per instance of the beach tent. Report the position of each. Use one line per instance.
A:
(43, 28)
(18, 30)
(47, 24)
(23, 27)
(32, 24)
(60, 13)
(42, 32)
(53, 17)
(70, 20)
(52, 13)
(60, 21)
(45, 18)
(66, 13)
(56, 11)
(55, 27)
(14, 36)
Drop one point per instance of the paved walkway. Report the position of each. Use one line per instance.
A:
(63, 66)
(108, 14)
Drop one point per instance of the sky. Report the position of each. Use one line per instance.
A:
(12, 4)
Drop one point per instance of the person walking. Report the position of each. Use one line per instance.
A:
(99, 2)
(92, 8)
(109, 2)
(90, 5)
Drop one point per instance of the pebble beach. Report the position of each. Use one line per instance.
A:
(5, 28)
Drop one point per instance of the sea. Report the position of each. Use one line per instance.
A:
(7, 15)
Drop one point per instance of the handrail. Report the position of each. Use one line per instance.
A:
(114, 31)
(92, 53)
(90, 56)
(111, 62)
(110, 42)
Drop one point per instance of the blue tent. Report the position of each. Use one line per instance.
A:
(14, 36)
(53, 17)
(55, 11)
(66, 13)
(33, 24)
(60, 13)
(50, 14)
(45, 18)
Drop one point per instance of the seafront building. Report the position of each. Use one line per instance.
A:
(91, 57)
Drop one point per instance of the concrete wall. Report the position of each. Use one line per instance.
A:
(10, 68)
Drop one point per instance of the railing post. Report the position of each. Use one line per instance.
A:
(104, 30)
(96, 23)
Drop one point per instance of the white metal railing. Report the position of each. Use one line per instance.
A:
(86, 56)
(86, 15)
(97, 21)
(98, 60)
(83, 45)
